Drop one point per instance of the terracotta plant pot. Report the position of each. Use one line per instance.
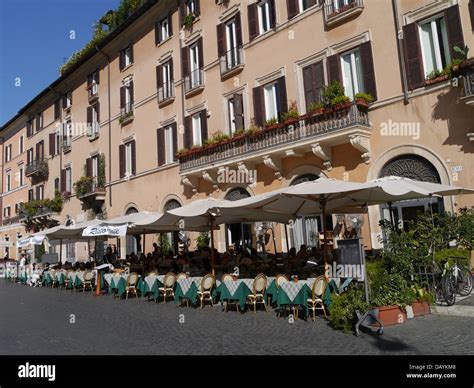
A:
(317, 112)
(392, 315)
(342, 106)
(291, 121)
(361, 103)
(436, 80)
(421, 308)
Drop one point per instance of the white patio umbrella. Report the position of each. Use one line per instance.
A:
(30, 240)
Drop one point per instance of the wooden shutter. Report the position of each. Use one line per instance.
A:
(89, 115)
(130, 88)
(122, 160)
(38, 152)
(171, 70)
(97, 76)
(334, 68)
(188, 133)
(282, 97)
(134, 157)
(238, 29)
(293, 8)
(308, 84)
(131, 53)
(252, 12)
(97, 108)
(182, 12)
(63, 180)
(238, 112)
(89, 167)
(271, 4)
(471, 13)
(204, 133)
(453, 25)
(221, 41)
(197, 8)
(258, 106)
(89, 80)
(185, 61)
(368, 71)
(413, 59)
(174, 130)
(122, 97)
(159, 76)
(157, 33)
(161, 146)
(38, 122)
(201, 53)
(65, 101)
(52, 144)
(38, 192)
(170, 24)
(122, 59)
(56, 109)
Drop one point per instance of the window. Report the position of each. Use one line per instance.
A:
(434, 44)
(67, 100)
(352, 73)
(56, 185)
(29, 128)
(71, 251)
(40, 192)
(169, 141)
(313, 82)
(21, 144)
(126, 98)
(93, 119)
(192, 7)
(68, 180)
(163, 29)
(8, 153)
(67, 134)
(21, 177)
(126, 57)
(167, 85)
(195, 66)
(39, 121)
(236, 113)
(167, 144)
(9, 181)
(57, 105)
(197, 134)
(127, 159)
(264, 21)
(93, 85)
(270, 95)
(6, 212)
(29, 156)
(31, 196)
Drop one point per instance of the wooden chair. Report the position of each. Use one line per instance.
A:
(258, 291)
(316, 301)
(168, 285)
(131, 287)
(207, 282)
(87, 283)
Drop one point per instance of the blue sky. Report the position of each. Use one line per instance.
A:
(35, 42)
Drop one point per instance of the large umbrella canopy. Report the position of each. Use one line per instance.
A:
(30, 240)
(62, 232)
(135, 223)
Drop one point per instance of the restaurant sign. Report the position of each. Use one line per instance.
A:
(105, 230)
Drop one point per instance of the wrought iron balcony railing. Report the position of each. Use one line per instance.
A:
(37, 167)
(166, 92)
(194, 80)
(231, 60)
(335, 9)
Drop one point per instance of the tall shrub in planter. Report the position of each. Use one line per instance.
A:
(344, 306)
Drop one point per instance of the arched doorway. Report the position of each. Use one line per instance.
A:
(414, 167)
(132, 243)
(306, 228)
(173, 237)
(239, 235)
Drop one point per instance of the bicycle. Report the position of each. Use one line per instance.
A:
(440, 282)
(461, 277)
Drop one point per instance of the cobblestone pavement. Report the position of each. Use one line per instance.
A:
(36, 321)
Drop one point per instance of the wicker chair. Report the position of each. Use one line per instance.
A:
(87, 283)
(180, 276)
(67, 280)
(207, 282)
(279, 280)
(131, 287)
(316, 301)
(168, 285)
(258, 291)
(226, 277)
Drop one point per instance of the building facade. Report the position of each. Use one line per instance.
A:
(171, 105)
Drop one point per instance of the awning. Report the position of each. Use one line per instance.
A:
(30, 240)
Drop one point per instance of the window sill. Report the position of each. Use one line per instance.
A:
(126, 120)
(67, 149)
(339, 17)
(233, 71)
(164, 41)
(166, 102)
(195, 91)
(126, 67)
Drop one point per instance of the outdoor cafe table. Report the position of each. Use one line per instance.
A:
(150, 285)
(232, 290)
(294, 293)
(47, 279)
(187, 288)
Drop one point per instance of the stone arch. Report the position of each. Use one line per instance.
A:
(170, 198)
(302, 170)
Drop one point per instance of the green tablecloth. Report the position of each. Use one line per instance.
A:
(240, 294)
(145, 289)
(300, 299)
(121, 286)
(23, 277)
(191, 294)
(61, 279)
(272, 292)
(47, 279)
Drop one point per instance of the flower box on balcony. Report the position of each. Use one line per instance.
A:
(316, 112)
(342, 106)
(441, 78)
(271, 127)
(361, 103)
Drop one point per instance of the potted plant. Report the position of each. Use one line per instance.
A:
(315, 109)
(340, 102)
(292, 115)
(83, 186)
(421, 306)
(435, 76)
(271, 124)
(344, 307)
(363, 100)
(189, 20)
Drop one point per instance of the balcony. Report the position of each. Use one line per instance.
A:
(93, 131)
(37, 168)
(467, 72)
(92, 92)
(88, 189)
(315, 133)
(39, 214)
(166, 94)
(231, 62)
(11, 220)
(67, 143)
(194, 83)
(337, 11)
(126, 114)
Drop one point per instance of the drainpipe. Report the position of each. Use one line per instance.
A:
(110, 122)
(401, 54)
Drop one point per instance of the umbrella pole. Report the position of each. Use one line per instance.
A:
(286, 237)
(212, 245)
(61, 250)
(326, 253)
(390, 211)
